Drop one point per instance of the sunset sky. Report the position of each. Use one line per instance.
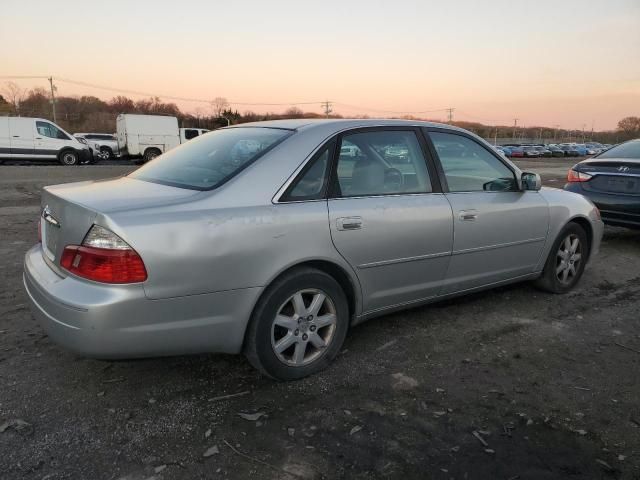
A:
(563, 62)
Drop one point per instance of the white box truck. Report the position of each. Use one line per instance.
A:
(148, 136)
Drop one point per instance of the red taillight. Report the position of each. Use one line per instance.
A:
(575, 176)
(104, 265)
(39, 230)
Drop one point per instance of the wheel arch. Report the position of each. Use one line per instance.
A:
(346, 280)
(587, 227)
(151, 147)
(64, 150)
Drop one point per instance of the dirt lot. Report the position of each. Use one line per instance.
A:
(549, 384)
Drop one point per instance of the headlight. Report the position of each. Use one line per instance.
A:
(82, 140)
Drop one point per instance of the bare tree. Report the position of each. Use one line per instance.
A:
(293, 112)
(14, 95)
(219, 105)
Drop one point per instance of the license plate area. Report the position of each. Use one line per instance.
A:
(49, 239)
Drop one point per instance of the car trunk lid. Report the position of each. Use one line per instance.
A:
(617, 176)
(69, 210)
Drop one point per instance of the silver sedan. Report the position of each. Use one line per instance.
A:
(274, 238)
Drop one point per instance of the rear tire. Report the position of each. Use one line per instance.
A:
(566, 261)
(298, 326)
(150, 154)
(69, 157)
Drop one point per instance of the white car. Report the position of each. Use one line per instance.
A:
(103, 145)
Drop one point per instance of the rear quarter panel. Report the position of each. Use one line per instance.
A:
(196, 248)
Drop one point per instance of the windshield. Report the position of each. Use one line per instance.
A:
(626, 150)
(208, 161)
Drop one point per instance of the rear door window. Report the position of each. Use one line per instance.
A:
(381, 162)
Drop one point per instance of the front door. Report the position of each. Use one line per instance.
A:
(49, 139)
(387, 218)
(499, 231)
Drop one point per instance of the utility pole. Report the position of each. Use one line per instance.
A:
(326, 105)
(555, 131)
(583, 125)
(515, 125)
(450, 114)
(53, 98)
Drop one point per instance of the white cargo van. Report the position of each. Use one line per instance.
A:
(148, 136)
(37, 138)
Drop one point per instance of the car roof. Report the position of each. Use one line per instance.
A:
(340, 124)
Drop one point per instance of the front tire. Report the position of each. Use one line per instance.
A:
(298, 326)
(69, 157)
(105, 153)
(567, 259)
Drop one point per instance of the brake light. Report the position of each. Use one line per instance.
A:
(39, 230)
(104, 257)
(575, 176)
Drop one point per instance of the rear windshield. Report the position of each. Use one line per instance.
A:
(626, 150)
(208, 161)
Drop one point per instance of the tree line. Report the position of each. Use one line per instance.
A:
(92, 114)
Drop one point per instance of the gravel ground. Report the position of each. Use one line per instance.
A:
(506, 384)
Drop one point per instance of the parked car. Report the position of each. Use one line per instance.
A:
(517, 152)
(556, 151)
(570, 150)
(530, 151)
(277, 252)
(40, 139)
(502, 150)
(611, 180)
(544, 151)
(582, 149)
(103, 145)
(506, 149)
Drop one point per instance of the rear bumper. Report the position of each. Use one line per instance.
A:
(105, 321)
(616, 210)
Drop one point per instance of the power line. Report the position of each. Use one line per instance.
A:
(148, 94)
(399, 112)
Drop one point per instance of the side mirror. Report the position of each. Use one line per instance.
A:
(531, 181)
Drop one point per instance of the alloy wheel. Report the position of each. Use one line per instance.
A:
(568, 259)
(303, 327)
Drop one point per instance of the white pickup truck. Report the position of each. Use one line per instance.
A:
(148, 136)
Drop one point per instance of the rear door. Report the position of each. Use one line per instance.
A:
(388, 217)
(21, 131)
(499, 231)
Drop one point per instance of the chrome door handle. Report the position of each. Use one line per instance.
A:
(349, 223)
(467, 215)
